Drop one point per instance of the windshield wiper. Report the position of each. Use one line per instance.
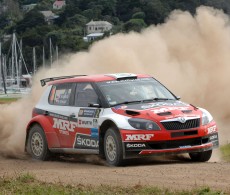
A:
(156, 99)
(127, 102)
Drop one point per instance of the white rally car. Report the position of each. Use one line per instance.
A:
(119, 116)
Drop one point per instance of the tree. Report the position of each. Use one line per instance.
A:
(156, 10)
(138, 15)
(125, 8)
(31, 19)
(134, 25)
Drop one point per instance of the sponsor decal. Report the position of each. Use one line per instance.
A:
(136, 145)
(86, 142)
(97, 113)
(213, 137)
(212, 129)
(187, 146)
(138, 137)
(63, 132)
(64, 125)
(129, 80)
(95, 123)
(86, 112)
(169, 109)
(159, 104)
(85, 122)
(94, 132)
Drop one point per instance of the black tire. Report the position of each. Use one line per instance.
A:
(37, 143)
(113, 147)
(201, 156)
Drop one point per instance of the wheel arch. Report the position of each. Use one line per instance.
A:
(49, 132)
(28, 128)
(102, 130)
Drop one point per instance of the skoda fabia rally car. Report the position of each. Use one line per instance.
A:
(118, 116)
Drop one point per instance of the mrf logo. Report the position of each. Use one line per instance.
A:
(138, 137)
(64, 124)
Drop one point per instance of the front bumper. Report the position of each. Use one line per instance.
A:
(156, 148)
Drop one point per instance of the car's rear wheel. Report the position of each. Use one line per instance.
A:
(201, 156)
(37, 144)
(113, 147)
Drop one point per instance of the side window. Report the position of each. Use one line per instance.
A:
(60, 94)
(85, 94)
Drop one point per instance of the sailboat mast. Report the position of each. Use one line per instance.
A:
(20, 60)
(43, 57)
(51, 55)
(1, 67)
(16, 62)
(2, 70)
(34, 60)
(12, 62)
(57, 53)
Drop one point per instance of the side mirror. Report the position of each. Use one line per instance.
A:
(94, 105)
(178, 97)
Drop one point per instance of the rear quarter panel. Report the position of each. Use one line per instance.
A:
(51, 136)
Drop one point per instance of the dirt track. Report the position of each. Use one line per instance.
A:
(171, 173)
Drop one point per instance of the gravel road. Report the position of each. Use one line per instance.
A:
(173, 172)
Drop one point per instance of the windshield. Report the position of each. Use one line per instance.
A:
(138, 90)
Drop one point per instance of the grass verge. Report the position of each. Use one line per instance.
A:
(225, 150)
(7, 100)
(28, 184)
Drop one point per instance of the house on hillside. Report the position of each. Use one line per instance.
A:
(58, 4)
(49, 16)
(27, 8)
(98, 27)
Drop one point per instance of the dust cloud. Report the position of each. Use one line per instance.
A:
(189, 54)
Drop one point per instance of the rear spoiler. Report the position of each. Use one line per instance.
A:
(46, 80)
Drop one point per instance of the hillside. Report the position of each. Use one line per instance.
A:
(68, 29)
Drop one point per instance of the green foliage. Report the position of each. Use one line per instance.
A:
(134, 25)
(156, 11)
(7, 100)
(31, 20)
(76, 20)
(44, 5)
(139, 15)
(225, 150)
(68, 30)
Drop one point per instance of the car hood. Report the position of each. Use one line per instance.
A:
(158, 110)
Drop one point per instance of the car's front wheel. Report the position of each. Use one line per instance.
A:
(113, 147)
(37, 143)
(201, 156)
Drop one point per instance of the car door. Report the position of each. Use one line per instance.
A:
(58, 112)
(86, 133)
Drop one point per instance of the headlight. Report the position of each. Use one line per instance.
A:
(206, 117)
(139, 123)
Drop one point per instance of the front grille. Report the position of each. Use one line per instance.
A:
(177, 143)
(176, 125)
